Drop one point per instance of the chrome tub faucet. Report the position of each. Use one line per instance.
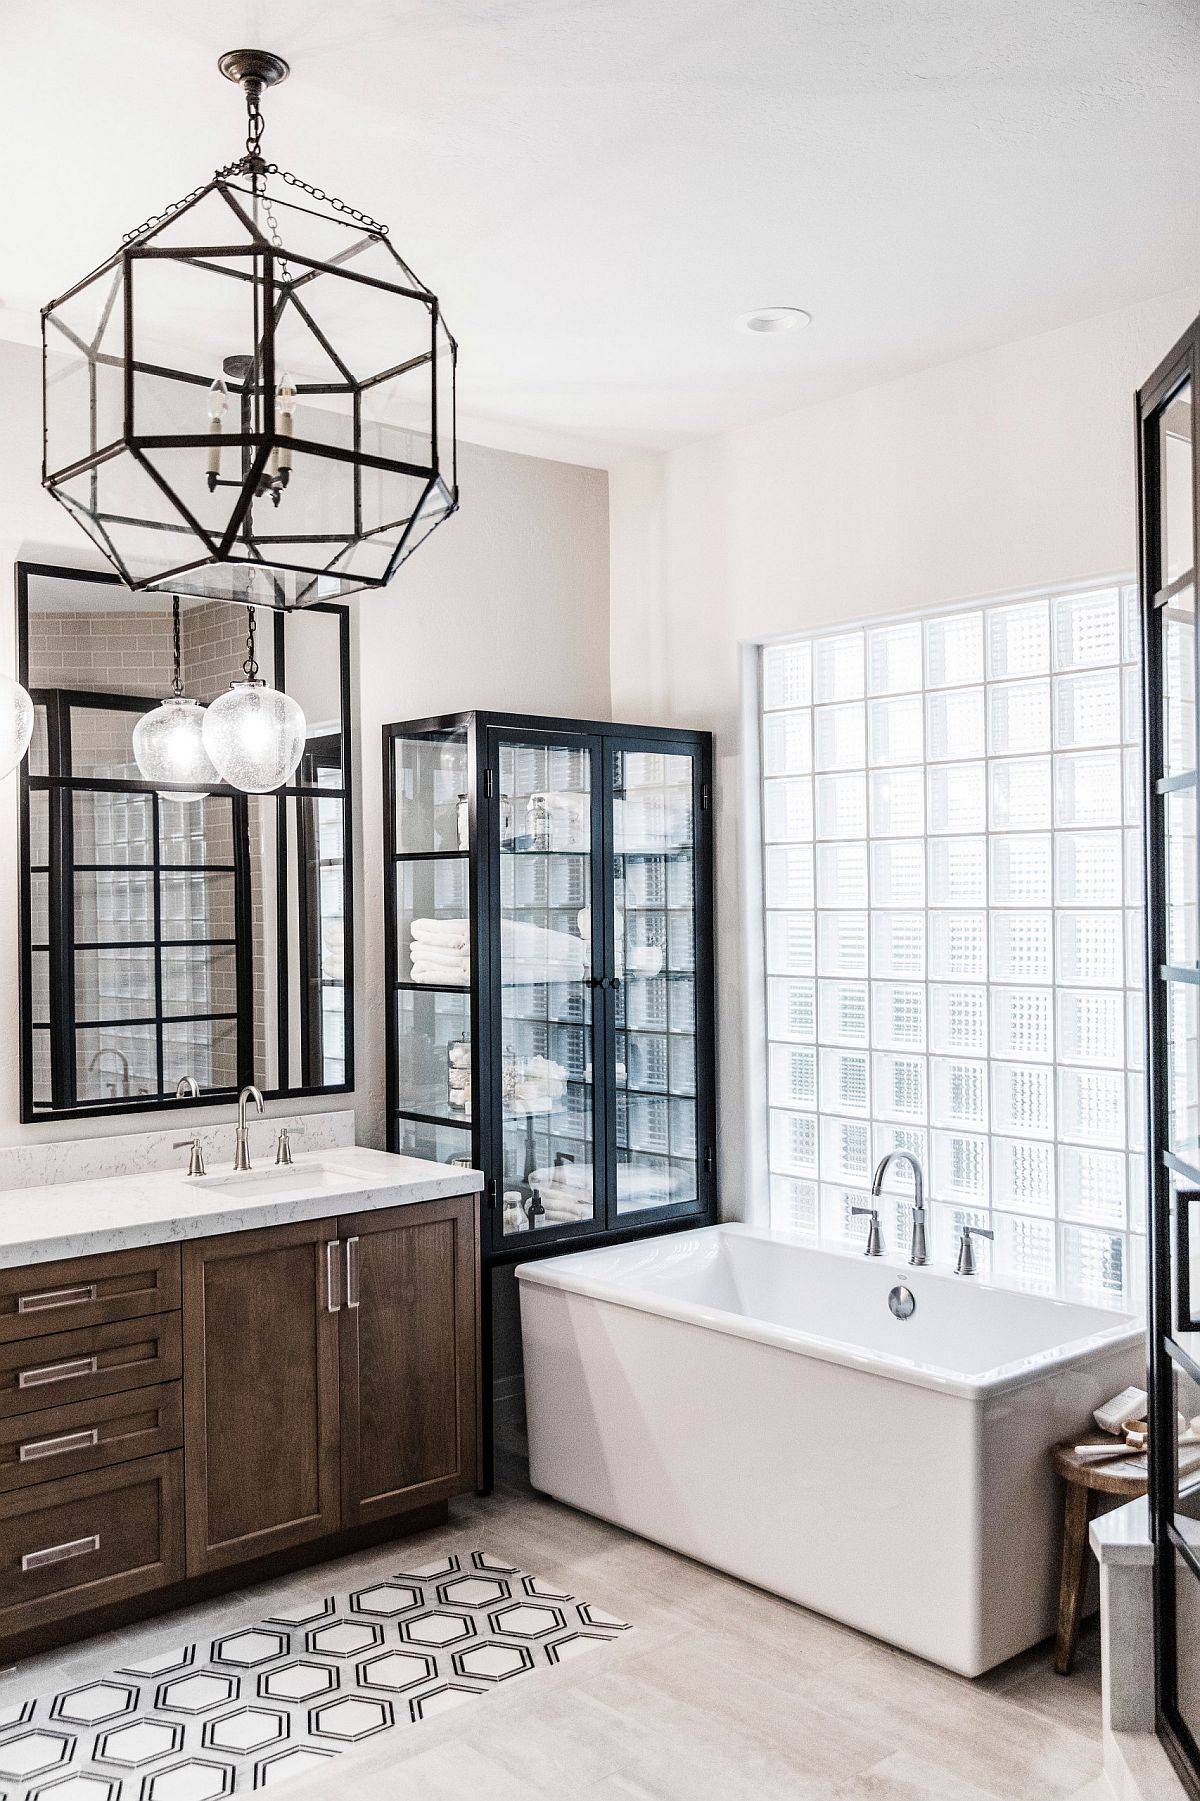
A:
(918, 1255)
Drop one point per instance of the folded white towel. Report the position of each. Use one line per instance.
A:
(634, 1182)
(439, 975)
(522, 972)
(521, 938)
(425, 953)
(453, 932)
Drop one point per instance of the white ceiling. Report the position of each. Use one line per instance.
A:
(596, 188)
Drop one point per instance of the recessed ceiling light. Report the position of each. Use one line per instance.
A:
(774, 319)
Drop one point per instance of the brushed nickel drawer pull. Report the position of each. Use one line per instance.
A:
(333, 1281)
(352, 1272)
(75, 1547)
(56, 1372)
(58, 1447)
(56, 1297)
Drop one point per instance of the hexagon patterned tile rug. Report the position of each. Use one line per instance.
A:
(274, 1699)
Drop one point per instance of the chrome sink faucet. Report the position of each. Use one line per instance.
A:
(187, 1088)
(918, 1254)
(241, 1138)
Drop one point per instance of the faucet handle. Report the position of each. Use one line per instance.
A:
(874, 1236)
(966, 1256)
(283, 1146)
(195, 1154)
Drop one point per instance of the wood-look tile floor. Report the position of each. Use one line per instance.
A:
(720, 1691)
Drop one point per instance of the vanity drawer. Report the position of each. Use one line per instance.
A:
(87, 1540)
(89, 1435)
(87, 1291)
(99, 1360)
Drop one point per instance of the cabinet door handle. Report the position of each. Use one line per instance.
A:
(352, 1272)
(75, 1547)
(57, 1447)
(56, 1297)
(56, 1372)
(333, 1273)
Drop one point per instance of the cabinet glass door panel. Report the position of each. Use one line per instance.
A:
(1176, 488)
(654, 932)
(547, 975)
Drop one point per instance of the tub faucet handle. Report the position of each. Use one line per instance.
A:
(874, 1236)
(966, 1255)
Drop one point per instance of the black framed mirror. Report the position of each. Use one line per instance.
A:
(166, 934)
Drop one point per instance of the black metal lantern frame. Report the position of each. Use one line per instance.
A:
(253, 398)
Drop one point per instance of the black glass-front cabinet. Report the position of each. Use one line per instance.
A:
(549, 967)
(1168, 473)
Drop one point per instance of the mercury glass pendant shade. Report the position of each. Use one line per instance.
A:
(255, 736)
(168, 746)
(16, 723)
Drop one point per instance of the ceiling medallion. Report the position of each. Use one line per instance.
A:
(252, 399)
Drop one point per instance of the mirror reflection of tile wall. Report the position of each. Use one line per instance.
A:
(165, 892)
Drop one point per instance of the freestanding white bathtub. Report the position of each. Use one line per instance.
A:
(756, 1405)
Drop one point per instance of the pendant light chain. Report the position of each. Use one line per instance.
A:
(250, 665)
(177, 649)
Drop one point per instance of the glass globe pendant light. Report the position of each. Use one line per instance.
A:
(168, 743)
(16, 723)
(254, 734)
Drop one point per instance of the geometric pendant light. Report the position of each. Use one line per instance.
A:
(253, 398)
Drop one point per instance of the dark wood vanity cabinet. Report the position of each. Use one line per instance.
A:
(260, 1392)
(171, 1416)
(329, 1376)
(408, 1358)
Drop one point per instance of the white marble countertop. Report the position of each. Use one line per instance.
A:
(118, 1212)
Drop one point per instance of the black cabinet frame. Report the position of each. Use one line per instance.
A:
(1173, 1307)
(484, 733)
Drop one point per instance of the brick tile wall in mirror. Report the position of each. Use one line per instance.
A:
(951, 811)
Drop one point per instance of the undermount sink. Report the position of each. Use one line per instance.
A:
(274, 1179)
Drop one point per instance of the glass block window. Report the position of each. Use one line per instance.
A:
(953, 935)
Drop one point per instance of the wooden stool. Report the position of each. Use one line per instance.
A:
(1083, 1483)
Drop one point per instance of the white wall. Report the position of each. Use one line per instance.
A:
(506, 606)
(1007, 469)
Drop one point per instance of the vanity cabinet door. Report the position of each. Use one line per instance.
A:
(260, 1392)
(409, 1357)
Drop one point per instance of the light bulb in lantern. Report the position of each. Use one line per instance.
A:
(16, 723)
(218, 403)
(255, 736)
(168, 746)
(285, 408)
